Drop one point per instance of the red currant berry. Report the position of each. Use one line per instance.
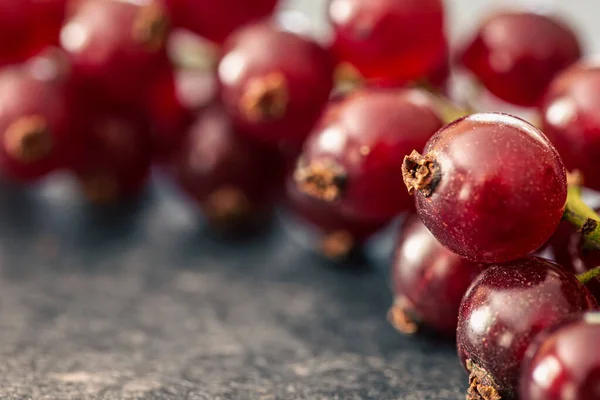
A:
(115, 47)
(502, 312)
(490, 187)
(354, 155)
(569, 248)
(114, 154)
(215, 20)
(429, 281)
(564, 363)
(28, 26)
(337, 236)
(515, 55)
(274, 83)
(388, 39)
(170, 118)
(569, 119)
(234, 181)
(35, 119)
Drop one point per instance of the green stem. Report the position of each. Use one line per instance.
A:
(589, 275)
(582, 216)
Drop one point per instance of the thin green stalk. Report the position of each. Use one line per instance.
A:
(582, 216)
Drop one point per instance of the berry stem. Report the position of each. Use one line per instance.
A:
(589, 275)
(580, 214)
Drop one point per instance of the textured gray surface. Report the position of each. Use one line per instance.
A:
(142, 303)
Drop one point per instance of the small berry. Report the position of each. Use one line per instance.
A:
(215, 20)
(169, 117)
(234, 181)
(515, 55)
(388, 39)
(27, 27)
(338, 236)
(353, 157)
(564, 363)
(274, 83)
(503, 311)
(428, 280)
(35, 119)
(114, 155)
(115, 47)
(490, 187)
(569, 119)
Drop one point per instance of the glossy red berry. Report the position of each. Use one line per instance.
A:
(515, 55)
(35, 119)
(28, 26)
(114, 152)
(234, 181)
(215, 20)
(335, 236)
(354, 155)
(490, 187)
(569, 119)
(388, 39)
(428, 281)
(274, 83)
(115, 47)
(503, 311)
(564, 363)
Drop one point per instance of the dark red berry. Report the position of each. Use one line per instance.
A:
(569, 119)
(115, 47)
(114, 152)
(216, 19)
(35, 119)
(569, 249)
(503, 311)
(337, 236)
(564, 363)
(274, 83)
(354, 155)
(515, 55)
(234, 181)
(490, 187)
(169, 117)
(429, 281)
(28, 26)
(389, 39)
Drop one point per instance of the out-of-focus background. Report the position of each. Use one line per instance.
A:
(464, 14)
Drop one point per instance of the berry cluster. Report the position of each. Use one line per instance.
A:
(342, 134)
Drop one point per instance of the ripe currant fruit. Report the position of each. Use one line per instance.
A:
(428, 281)
(274, 83)
(569, 249)
(115, 47)
(28, 26)
(233, 180)
(215, 20)
(515, 55)
(114, 152)
(569, 119)
(368, 36)
(354, 155)
(490, 187)
(338, 236)
(35, 119)
(169, 116)
(503, 311)
(565, 362)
